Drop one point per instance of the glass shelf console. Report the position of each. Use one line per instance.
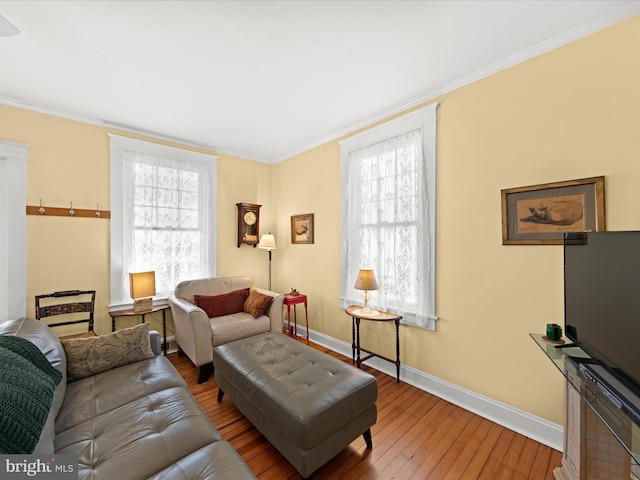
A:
(567, 358)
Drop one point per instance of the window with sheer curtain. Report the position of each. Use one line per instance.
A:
(164, 215)
(388, 216)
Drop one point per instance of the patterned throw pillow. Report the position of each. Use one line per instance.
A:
(225, 304)
(257, 303)
(92, 355)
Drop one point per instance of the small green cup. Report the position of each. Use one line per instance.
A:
(554, 331)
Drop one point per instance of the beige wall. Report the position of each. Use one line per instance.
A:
(244, 181)
(68, 161)
(568, 114)
(571, 113)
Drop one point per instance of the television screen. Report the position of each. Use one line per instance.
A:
(602, 299)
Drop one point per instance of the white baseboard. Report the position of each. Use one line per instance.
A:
(519, 421)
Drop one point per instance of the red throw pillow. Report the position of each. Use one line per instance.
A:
(225, 304)
(257, 303)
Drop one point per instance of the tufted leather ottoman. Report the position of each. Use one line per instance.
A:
(309, 405)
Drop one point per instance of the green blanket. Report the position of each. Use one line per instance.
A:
(27, 383)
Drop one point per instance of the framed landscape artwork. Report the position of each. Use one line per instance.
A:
(541, 214)
(302, 228)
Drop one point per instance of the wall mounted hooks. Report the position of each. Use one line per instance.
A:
(68, 212)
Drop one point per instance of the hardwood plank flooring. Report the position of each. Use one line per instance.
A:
(417, 436)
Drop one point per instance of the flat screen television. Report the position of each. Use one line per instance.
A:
(602, 302)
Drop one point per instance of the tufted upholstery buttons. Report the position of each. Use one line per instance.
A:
(308, 404)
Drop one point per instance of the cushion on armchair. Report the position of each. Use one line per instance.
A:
(257, 303)
(225, 304)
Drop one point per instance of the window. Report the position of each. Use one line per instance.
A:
(163, 215)
(388, 215)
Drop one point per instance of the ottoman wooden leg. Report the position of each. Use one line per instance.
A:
(220, 395)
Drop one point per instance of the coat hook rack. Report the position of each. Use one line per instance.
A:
(43, 210)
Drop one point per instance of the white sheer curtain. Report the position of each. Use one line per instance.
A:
(387, 227)
(166, 220)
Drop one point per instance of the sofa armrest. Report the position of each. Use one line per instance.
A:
(154, 339)
(192, 329)
(274, 312)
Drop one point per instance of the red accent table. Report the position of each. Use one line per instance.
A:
(295, 300)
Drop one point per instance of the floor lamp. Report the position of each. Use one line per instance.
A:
(268, 242)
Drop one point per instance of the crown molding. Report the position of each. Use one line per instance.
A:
(244, 156)
(123, 127)
(548, 45)
(13, 102)
(558, 41)
(609, 19)
(177, 140)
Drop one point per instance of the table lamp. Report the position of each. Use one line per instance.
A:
(268, 242)
(366, 281)
(142, 286)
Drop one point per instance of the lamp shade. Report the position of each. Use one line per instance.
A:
(366, 280)
(267, 242)
(142, 284)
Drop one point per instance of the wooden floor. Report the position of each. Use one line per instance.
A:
(417, 436)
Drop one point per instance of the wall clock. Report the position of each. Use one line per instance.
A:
(248, 223)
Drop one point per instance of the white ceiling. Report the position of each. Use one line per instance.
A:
(268, 79)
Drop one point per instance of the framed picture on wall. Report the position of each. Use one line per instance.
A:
(541, 214)
(302, 228)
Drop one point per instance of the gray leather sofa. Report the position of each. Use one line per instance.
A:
(137, 421)
(197, 334)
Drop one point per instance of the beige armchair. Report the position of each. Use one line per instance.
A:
(197, 334)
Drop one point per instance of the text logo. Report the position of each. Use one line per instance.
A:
(51, 467)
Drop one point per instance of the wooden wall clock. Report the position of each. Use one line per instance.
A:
(248, 223)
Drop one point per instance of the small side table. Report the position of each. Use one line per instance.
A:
(295, 300)
(356, 316)
(130, 313)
